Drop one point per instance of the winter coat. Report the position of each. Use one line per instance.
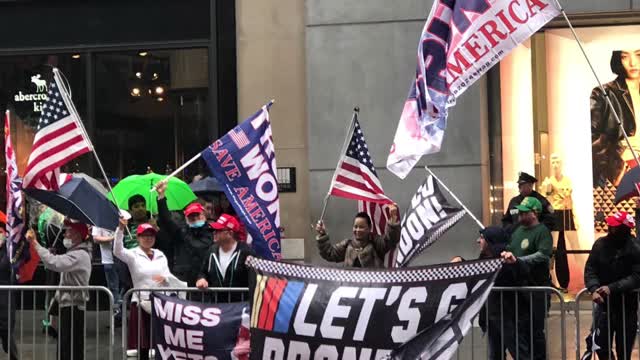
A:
(606, 136)
(370, 255)
(75, 269)
(616, 266)
(6, 303)
(510, 217)
(237, 274)
(190, 245)
(141, 267)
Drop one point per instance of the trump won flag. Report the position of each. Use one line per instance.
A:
(244, 162)
(461, 40)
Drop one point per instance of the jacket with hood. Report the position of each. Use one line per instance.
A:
(614, 263)
(368, 254)
(190, 245)
(237, 274)
(501, 306)
(75, 269)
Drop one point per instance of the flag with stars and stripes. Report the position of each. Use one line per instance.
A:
(355, 177)
(59, 138)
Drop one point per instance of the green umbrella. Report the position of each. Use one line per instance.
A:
(178, 192)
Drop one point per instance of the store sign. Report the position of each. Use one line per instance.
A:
(35, 99)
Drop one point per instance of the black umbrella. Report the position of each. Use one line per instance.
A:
(206, 185)
(79, 200)
(627, 187)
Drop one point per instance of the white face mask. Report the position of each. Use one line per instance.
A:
(67, 243)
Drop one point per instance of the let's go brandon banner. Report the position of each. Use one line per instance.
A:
(308, 312)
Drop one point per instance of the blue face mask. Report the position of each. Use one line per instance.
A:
(197, 224)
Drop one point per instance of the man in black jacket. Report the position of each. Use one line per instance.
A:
(525, 186)
(611, 273)
(498, 317)
(190, 241)
(224, 265)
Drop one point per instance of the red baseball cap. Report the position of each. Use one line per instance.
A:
(621, 218)
(146, 227)
(77, 226)
(226, 222)
(194, 208)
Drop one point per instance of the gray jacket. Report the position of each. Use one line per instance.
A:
(369, 254)
(75, 269)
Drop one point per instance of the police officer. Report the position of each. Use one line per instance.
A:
(525, 187)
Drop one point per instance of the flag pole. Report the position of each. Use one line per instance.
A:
(64, 92)
(345, 144)
(456, 198)
(604, 93)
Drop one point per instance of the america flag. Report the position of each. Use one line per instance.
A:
(60, 137)
(15, 223)
(355, 177)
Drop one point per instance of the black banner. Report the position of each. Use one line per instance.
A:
(427, 219)
(192, 330)
(308, 312)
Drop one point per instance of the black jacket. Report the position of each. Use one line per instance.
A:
(614, 265)
(510, 217)
(237, 274)
(190, 244)
(606, 136)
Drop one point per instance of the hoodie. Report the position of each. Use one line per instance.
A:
(75, 269)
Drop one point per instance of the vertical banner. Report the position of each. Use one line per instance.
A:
(311, 312)
(244, 162)
(191, 330)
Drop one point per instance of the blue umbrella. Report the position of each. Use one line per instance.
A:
(627, 187)
(206, 185)
(78, 200)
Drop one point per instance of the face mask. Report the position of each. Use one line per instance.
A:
(67, 243)
(197, 224)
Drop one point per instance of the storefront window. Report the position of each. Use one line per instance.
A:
(150, 109)
(557, 125)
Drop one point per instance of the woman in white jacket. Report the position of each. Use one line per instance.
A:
(149, 269)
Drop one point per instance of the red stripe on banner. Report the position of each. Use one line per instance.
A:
(348, 195)
(365, 176)
(279, 286)
(56, 165)
(355, 184)
(267, 295)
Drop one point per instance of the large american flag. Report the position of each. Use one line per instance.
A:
(59, 139)
(15, 223)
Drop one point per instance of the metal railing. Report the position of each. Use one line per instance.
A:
(38, 302)
(210, 295)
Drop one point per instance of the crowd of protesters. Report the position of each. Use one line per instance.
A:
(205, 246)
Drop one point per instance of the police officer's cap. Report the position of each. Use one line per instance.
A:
(524, 178)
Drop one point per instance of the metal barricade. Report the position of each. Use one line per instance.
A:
(515, 318)
(210, 295)
(621, 318)
(27, 306)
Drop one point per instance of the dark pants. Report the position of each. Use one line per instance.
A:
(531, 336)
(71, 333)
(7, 322)
(623, 326)
(113, 283)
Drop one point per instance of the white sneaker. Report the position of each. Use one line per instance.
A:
(132, 353)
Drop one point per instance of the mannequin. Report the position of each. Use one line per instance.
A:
(558, 190)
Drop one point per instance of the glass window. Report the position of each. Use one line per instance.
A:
(151, 107)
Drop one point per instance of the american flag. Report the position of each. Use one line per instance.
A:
(15, 223)
(239, 138)
(59, 139)
(356, 177)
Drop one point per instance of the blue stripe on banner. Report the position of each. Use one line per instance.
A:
(287, 303)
